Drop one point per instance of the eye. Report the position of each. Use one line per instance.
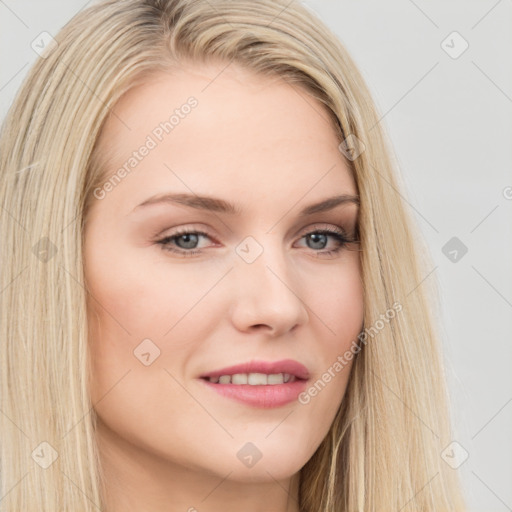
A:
(319, 239)
(185, 241)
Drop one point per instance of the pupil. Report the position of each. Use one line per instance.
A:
(315, 237)
(190, 240)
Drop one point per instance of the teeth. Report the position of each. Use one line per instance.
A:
(239, 378)
(275, 378)
(257, 379)
(254, 379)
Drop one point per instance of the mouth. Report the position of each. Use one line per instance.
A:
(259, 373)
(254, 379)
(260, 384)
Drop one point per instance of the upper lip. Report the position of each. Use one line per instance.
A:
(269, 367)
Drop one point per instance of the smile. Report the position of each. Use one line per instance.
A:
(253, 379)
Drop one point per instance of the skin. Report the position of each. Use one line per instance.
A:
(168, 442)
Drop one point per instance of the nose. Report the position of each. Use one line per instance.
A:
(267, 295)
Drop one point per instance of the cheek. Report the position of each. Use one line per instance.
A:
(338, 314)
(339, 304)
(137, 294)
(135, 297)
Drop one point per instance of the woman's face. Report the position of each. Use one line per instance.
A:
(182, 288)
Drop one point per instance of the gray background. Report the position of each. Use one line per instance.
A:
(450, 124)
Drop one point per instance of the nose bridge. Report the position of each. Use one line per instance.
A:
(263, 261)
(266, 291)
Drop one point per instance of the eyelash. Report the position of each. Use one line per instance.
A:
(338, 234)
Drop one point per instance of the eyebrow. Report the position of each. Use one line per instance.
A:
(214, 204)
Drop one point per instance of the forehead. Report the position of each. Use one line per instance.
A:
(245, 132)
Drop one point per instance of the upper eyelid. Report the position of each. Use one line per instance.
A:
(194, 229)
(318, 226)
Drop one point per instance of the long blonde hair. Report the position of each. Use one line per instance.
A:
(383, 451)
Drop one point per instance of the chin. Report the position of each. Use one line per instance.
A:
(279, 466)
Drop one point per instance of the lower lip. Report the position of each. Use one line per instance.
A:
(268, 396)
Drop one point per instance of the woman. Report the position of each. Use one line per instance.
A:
(216, 289)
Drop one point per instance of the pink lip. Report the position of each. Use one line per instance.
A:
(272, 395)
(284, 366)
(263, 396)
